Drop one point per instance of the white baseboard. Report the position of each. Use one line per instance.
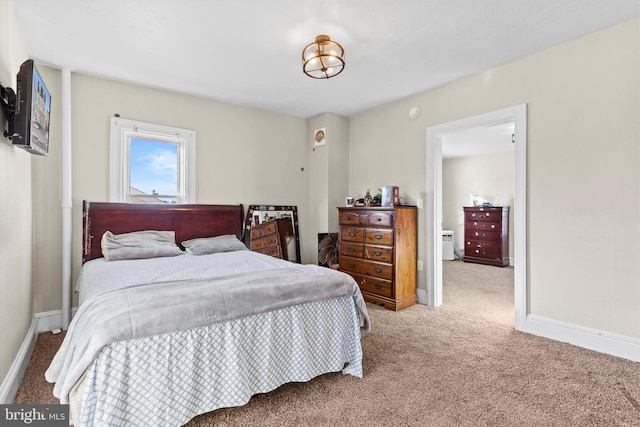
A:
(41, 322)
(581, 336)
(422, 296)
(50, 320)
(12, 380)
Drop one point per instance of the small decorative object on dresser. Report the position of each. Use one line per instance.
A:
(390, 196)
(486, 235)
(378, 248)
(270, 237)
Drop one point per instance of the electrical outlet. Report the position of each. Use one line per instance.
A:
(419, 265)
(419, 203)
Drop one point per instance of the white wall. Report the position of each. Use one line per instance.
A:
(329, 174)
(16, 238)
(244, 156)
(583, 169)
(490, 176)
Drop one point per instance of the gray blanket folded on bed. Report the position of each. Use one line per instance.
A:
(158, 308)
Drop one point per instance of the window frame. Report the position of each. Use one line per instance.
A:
(123, 130)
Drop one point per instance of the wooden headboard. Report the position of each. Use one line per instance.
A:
(188, 221)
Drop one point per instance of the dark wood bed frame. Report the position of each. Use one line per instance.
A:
(188, 221)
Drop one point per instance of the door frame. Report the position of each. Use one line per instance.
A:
(433, 205)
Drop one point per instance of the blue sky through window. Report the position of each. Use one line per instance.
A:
(154, 166)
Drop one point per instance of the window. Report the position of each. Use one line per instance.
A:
(151, 163)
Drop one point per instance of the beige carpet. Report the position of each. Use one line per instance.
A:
(460, 365)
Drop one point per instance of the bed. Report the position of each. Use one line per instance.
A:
(160, 339)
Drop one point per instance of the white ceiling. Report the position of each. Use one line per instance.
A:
(248, 52)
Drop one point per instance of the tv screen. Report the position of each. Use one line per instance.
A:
(33, 111)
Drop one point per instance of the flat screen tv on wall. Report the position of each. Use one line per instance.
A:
(32, 111)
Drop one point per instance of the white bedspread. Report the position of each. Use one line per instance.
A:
(167, 306)
(98, 275)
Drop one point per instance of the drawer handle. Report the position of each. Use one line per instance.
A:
(378, 270)
(270, 241)
(352, 265)
(378, 236)
(375, 285)
(351, 250)
(352, 234)
(377, 253)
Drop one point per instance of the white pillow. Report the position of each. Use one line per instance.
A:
(211, 245)
(139, 244)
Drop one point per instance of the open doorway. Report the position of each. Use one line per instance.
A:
(478, 170)
(517, 116)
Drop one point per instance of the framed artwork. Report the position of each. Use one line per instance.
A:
(257, 214)
(328, 249)
(320, 137)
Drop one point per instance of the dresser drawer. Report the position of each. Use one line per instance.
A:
(273, 251)
(486, 214)
(270, 240)
(378, 236)
(257, 232)
(371, 268)
(269, 227)
(352, 249)
(352, 234)
(374, 285)
(483, 225)
(379, 219)
(485, 244)
(491, 249)
(483, 252)
(257, 245)
(263, 242)
(378, 253)
(348, 218)
(480, 234)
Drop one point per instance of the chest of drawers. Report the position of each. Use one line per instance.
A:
(486, 235)
(378, 248)
(270, 237)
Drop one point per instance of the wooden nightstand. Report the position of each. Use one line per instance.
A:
(270, 238)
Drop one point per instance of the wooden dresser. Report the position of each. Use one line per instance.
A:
(486, 235)
(270, 237)
(378, 248)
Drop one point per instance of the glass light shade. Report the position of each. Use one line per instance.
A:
(323, 58)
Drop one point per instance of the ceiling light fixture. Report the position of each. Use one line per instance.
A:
(323, 58)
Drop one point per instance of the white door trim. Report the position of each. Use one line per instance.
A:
(518, 115)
